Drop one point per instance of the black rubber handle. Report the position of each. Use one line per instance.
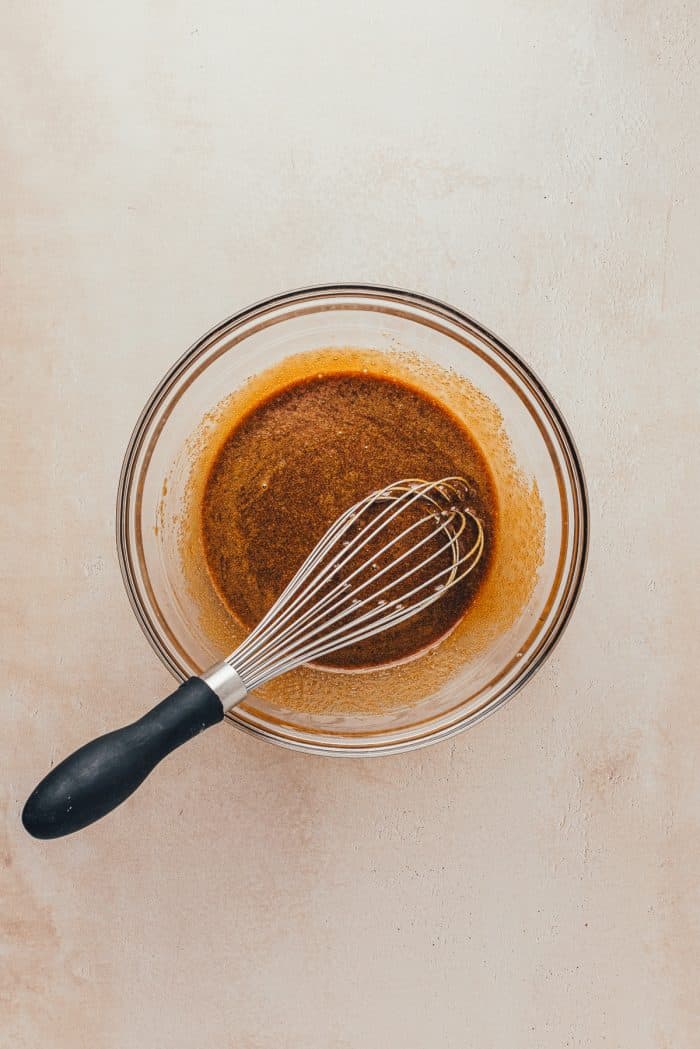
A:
(102, 774)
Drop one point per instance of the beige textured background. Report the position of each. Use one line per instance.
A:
(533, 883)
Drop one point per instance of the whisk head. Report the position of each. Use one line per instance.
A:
(384, 560)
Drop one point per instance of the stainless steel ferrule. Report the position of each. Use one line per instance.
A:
(223, 679)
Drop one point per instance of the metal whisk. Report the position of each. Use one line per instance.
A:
(384, 560)
(342, 594)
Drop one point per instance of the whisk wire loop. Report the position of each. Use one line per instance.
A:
(338, 598)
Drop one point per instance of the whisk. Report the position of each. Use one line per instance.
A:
(384, 560)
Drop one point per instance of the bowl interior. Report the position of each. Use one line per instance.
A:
(157, 468)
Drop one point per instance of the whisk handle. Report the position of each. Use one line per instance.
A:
(99, 776)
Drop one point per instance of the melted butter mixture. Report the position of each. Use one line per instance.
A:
(277, 460)
(301, 457)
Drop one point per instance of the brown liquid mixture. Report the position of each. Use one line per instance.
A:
(302, 456)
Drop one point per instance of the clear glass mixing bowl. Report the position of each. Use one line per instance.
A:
(352, 315)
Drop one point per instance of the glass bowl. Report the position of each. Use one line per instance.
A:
(381, 318)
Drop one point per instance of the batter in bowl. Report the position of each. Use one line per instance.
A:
(302, 456)
(276, 462)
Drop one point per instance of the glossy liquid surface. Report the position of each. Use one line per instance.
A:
(298, 459)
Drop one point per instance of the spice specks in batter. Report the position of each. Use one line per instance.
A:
(303, 454)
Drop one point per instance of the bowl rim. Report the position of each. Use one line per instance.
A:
(579, 557)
